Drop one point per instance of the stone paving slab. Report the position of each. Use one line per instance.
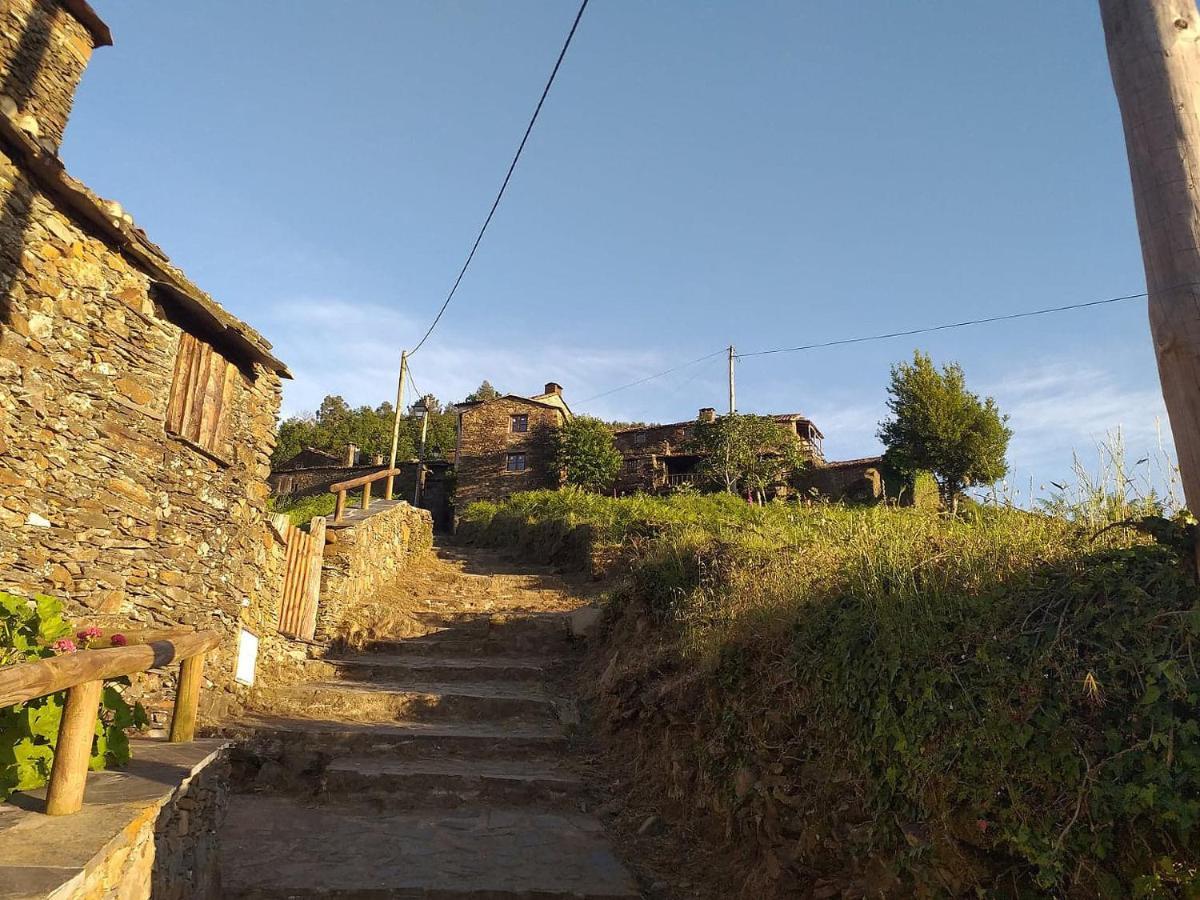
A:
(40, 854)
(276, 845)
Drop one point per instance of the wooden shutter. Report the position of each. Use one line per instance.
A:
(201, 393)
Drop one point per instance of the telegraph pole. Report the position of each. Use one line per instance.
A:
(732, 394)
(421, 452)
(389, 484)
(1154, 55)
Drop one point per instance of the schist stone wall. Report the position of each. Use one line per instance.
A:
(363, 557)
(486, 441)
(99, 504)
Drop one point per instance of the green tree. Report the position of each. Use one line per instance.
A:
(585, 453)
(745, 452)
(292, 436)
(939, 426)
(485, 391)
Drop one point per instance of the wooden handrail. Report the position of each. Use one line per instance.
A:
(365, 482)
(82, 674)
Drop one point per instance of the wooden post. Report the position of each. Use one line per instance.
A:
(1154, 55)
(187, 699)
(72, 753)
(732, 395)
(396, 423)
(366, 503)
(312, 590)
(421, 454)
(339, 508)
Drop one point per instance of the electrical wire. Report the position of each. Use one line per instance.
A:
(508, 176)
(896, 334)
(656, 375)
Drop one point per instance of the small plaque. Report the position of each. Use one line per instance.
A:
(247, 656)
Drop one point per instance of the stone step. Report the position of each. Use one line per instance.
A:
(277, 847)
(417, 701)
(452, 782)
(294, 741)
(381, 667)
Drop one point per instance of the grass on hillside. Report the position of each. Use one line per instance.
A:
(1014, 688)
(301, 510)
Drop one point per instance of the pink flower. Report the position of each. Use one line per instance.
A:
(982, 824)
(64, 645)
(118, 640)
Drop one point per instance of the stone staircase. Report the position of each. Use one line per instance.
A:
(434, 767)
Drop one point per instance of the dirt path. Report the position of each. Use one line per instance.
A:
(433, 764)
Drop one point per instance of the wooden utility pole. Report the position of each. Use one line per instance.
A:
(421, 452)
(1154, 55)
(396, 423)
(732, 393)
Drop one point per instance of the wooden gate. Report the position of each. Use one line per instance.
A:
(301, 576)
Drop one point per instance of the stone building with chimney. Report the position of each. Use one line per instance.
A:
(657, 458)
(136, 415)
(505, 445)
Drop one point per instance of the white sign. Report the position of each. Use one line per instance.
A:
(247, 656)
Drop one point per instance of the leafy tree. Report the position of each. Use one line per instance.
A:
(745, 452)
(485, 391)
(938, 426)
(586, 454)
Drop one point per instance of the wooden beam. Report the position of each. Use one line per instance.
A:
(73, 752)
(28, 681)
(362, 480)
(187, 699)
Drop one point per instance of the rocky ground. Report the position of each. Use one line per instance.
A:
(443, 757)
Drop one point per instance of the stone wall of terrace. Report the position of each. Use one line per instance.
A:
(365, 554)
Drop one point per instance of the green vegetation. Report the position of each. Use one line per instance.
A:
(301, 510)
(744, 453)
(938, 426)
(585, 453)
(36, 629)
(335, 424)
(1000, 702)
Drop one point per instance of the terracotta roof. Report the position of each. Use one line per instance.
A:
(101, 36)
(107, 218)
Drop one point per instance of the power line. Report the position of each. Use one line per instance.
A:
(508, 176)
(896, 334)
(656, 375)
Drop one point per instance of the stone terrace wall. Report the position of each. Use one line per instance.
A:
(43, 52)
(363, 558)
(487, 439)
(98, 504)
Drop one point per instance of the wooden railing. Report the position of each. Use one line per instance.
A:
(82, 674)
(364, 482)
(675, 480)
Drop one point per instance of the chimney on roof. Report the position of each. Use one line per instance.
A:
(552, 388)
(707, 414)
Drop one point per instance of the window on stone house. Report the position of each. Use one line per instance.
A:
(520, 424)
(515, 462)
(201, 395)
(631, 465)
(640, 437)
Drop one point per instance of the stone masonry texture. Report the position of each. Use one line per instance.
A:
(99, 505)
(486, 439)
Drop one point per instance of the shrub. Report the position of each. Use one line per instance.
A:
(585, 453)
(36, 629)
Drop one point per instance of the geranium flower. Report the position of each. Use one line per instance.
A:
(64, 645)
(87, 635)
(118, 640)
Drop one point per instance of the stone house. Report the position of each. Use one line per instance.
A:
(660, 457)
(504, 445)
(136, 416)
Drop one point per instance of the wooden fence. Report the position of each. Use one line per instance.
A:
(82, 675)
(301, 591)
(342, 488)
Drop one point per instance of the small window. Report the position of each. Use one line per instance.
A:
(201, 395)
(520, 424)
(515, 462)
(640, 437)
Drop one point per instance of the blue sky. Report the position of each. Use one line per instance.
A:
(766, 174)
